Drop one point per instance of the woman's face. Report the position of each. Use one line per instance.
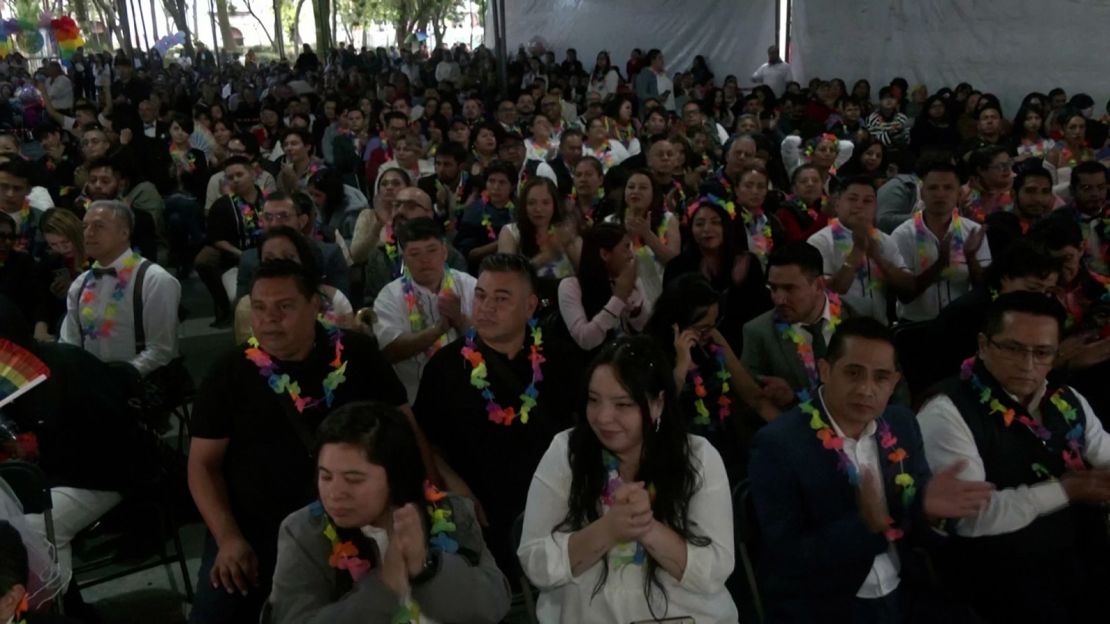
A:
(752, 190)
(222, 133)
(619, 257)
(656, 124)
(936, 110)
(807, 186)
(824, 154)
(597, 131)
(540, 206)
(1032, 124)
(602, 59)
(541, 129)
(282, 248)
(614, 416)
(705, 325)
(1000, 174)
(60, 245)
(294, 147)
(486, 142)
(708, 229)
(872, 157)
(390, 184)
(446, 110)
(1076, 130)
(354, 492)
(269, 118)
(217, 113)
(747, 125)
(637, 192)
(178, 134)
(586, 179)
(625, 111)
(407, 153)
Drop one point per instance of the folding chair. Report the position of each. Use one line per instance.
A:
(526, 589)
(746, 533)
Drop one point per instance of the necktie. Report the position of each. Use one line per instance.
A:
(820, 348)
(99, 273)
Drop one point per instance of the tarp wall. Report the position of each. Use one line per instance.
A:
(733, 35)
(1006, 47)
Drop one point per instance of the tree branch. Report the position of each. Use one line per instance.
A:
(260, 24)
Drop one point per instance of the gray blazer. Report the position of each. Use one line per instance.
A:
(304, 588)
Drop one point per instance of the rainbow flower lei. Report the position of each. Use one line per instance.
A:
(92, 326)
(723, 401)
(26, 230)
(479, 373)
(869, 277)
(412, 306)
(345, 554)
(624, 553)
(594, 203)
(249, 215)
(758, 227)
(887, 441)
(283, 384)
(487, 218)
(725, 204)
(956, 255)
(805, 348)
(183, 158)
(1072, 452)
(464, 176)
(604, 154)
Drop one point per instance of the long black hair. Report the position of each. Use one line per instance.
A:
(329, 182)
(685, 301)
(665, 461)
(528, 245)
(727, 253)
(593, 275)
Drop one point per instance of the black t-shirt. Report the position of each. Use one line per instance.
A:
(268, 468)
(226, 222)
(495, 460)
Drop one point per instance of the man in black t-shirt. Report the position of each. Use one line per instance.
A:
(251, 462)
(496, 459)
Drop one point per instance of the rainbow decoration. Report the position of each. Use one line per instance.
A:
(19, 371)
(68, 36)
(65, 31)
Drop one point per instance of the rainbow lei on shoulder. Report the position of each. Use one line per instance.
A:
(487, 218)
(624, 553)
(184, 159)
(283, 384)
(594, 203)
(479, 374)
(804, 347)
(869, 277)
(248, 214)
(93, 326)
(758, 227)
(700, 392)
(412, 306)
(1072, 452)
(956, 255)
(887, 441)
(390, 245)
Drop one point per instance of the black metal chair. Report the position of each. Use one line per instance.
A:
(746, 533)
(526, 590)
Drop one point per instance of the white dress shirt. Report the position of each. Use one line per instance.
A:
(928, 304)
(618, 153)
(948, 439)
(775, 76)
(161, 296)
(864, 454)
(827, 330)
(860, 289)
(60, 92)
(392, 321)
(565, 598)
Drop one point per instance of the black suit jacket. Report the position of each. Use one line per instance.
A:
(563, 174)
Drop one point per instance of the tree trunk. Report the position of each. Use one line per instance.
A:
(178, 12)
(295, 30)
(439, 27)
(154, 20)
(124, 31)
(280, 46)
(225, 26)
(321, 10)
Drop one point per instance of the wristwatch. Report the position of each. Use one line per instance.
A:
(430, 569)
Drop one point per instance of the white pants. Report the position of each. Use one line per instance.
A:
(74, 509)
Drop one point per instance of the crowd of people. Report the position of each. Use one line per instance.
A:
(562, 336)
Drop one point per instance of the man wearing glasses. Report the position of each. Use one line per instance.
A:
(1037, 551)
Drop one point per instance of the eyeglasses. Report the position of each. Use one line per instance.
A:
(1016, 351)
(280, 217)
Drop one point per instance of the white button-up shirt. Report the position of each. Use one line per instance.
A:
(950, 287)
(864, 454)
(861, 289)
(161, 296)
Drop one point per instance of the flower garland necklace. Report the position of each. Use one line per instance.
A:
(758, 227)
(660, 232)
(487, 218)
(604, 153)
(594, 203)
(248, 214)
(804, 347)
(23, 243)
(345, 555)
(887, 441)
(93, 326)
(183, 158)
(956, 254)
(283, 384)
(1071, 158)
(723, 375)
(390, 245)
(479, 374)
(412, 305)
(464, 176)
(624, 553)
(869, 277)
(1072, 453)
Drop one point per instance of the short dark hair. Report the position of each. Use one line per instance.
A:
(452, 150)
(800, 254)
(863, 327)
(391, 115)
(503, 167)
(249, 141)
(303, 134)
(1023, 258)
(858, 180)
(511, 263)
(307, 283)
(302, 203)
(237, 160)
(419, 229)
(299, 241)
(1024, 302)
(14, 566)
(185, 121)
(982, 158)
(17, 168)
(1057, 232)
(1087, 167)
(938, 165)
(1026, 172)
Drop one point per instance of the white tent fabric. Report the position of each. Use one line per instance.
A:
(733, 35)
(1006, 47)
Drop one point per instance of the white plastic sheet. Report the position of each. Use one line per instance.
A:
(1006, 47)
(733, 35)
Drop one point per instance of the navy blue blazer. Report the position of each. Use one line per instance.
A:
(817, 549)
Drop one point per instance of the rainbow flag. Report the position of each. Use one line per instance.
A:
(19, 371)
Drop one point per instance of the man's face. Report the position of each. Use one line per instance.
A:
(1021, 354)
(499, 188)
(856, 206)
(851, 112)
(739, 153)
(503, 304)
(282, 318)
(512, 151)
(989, 122)
(571, 150)
(1034, 199)
(796, 296)
(94, 144)
(103, 183)
(104, 233)
(13, 191)
(661, 157)
(1029, 283)
(411, 203)
(552, 109)
(425, 259)
(447, 168)
(356, 120)
(329, 109)
(1059, 100)
(459, 133)
(400, 105)
(999, 174)
(940, 190)
(1071, 258)
(525, 104)
(506, 113)
(147, 112)
(240, 178)
(859, 383)
(472, 110)
(1090, 193)
(281, 212)
(691, 115)
(656, 124)
(396, 129)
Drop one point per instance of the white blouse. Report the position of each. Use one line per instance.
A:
(700, 594)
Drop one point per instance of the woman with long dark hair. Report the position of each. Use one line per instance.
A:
(1030, 139)
(605, 78)
(934, 129)
(381, 544)
(606, 297)
(338, 206)
(807, 209)
(654, 230)
(540, 231)
(629, 517)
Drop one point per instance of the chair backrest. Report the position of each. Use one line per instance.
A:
(744, 519)
(516, 533)
(29, 484)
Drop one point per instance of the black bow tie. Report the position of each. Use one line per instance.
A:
(98, 273)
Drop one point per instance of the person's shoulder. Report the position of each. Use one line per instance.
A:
(905, 229)
(157, 273)
(467, 280)
(821, 236)
(762, 324)
(785, 430)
